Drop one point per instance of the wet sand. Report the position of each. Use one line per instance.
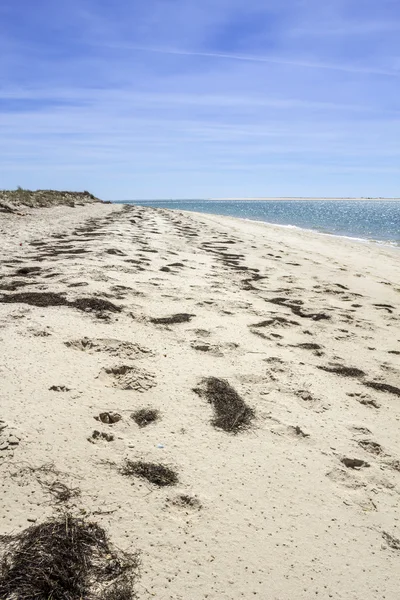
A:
(267, 362)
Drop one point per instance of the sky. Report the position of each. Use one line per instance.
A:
(201, 98)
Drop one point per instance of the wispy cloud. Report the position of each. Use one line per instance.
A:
(346, 68)
(183, 98)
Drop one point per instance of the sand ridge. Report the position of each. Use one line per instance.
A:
(107, 312)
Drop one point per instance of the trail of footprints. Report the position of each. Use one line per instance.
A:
(291, 312)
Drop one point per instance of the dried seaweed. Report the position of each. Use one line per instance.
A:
(232, 414)
(343, 371)
(158, 474)
(64, 559)
(145, 416)
(178, 318)
(383, 387)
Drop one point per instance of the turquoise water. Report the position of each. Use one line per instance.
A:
(367, 219)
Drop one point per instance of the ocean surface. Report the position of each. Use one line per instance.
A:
(377, 220)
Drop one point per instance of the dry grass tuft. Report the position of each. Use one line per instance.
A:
(65, 559)
(232, 414)
(154, 473)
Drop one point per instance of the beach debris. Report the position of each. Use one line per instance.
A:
(36, 299)
(342, 370)
(28, 270)
(353, 463)
(298, 431)
(295, 307)
(383, 387)
(232, 414)
(308, 346)
(280, 321)
(173, 319)
(157, 474)
(59, 388)
(95, 304)
(54, 299)
(388, 307)
(61, 492)
(65, 558)
(391, 541)
(116, 252)
(14, 285)
(145, 416)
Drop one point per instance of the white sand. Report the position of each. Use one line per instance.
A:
(281, 517)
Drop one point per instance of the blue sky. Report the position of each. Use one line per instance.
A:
(201, 98)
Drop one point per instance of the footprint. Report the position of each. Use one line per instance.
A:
(370, 446)
(354, 463)
(59, 388)
(108, 418)
(128, 378)
(391, 541)
(345, 478)
(100, 436)
(364, 399)
(185, 501)
(113, 347)
(9, 439)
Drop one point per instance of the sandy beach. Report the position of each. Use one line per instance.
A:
(293, 497)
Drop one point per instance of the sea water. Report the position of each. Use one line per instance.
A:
(377, 220)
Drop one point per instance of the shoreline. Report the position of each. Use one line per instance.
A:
(387, 243)
(106, 310)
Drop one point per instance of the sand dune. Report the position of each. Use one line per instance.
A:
(221, 396)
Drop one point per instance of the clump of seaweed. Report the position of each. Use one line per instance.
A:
(172, 320)
(383, 387)
(53, 299)
(61, 492)
(36, 299)
(232, 414)
(343, 371)
(95, 304)
(308, 346)
(158, 474)
(145, 416)
(275, 321)
(65, 559)
(28, 270)
(295, 307)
